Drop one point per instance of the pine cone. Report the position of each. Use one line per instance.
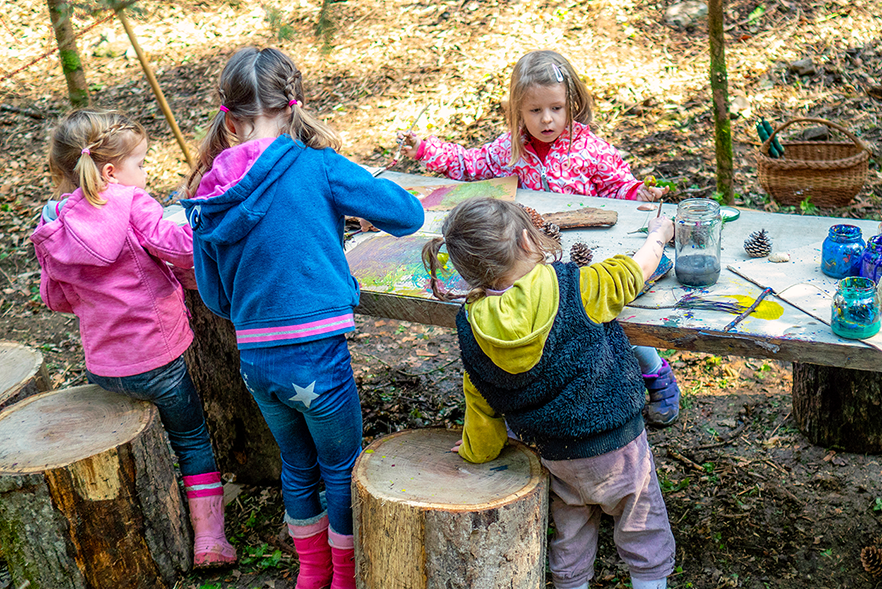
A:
(535, 217)
(758, 244)
(552, 231)
(581, 254)
(871, 558)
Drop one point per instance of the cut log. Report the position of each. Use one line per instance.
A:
(22, 373)
(243, 444)
(582, 218)
(425, 518)
(838, 407)
(88, 495)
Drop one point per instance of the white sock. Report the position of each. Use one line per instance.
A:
(641, 584)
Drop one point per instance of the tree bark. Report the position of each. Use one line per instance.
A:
(243, 444)
(838, 407)
(88, 496)
(720, 91)
(22, 373)
(71, 64)
(426, 519)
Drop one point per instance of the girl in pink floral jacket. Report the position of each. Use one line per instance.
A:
(550, 147)
(549, 113)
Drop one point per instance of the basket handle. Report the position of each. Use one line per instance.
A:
(860, 144)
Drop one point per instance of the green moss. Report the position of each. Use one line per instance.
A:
(70, 61)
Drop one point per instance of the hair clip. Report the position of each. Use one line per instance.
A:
(86, 151)
(293, 102)
(222, 108)
(557, 73)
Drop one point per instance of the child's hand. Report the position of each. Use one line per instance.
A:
(456, 447)
(663, 227)
(410, 143)
(651, 193)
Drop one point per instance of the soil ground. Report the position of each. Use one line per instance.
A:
(752, 503)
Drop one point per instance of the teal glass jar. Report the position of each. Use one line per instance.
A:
(855, 313)
(841, 251)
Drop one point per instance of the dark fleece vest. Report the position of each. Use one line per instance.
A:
(584, 397)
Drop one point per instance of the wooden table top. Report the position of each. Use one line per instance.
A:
(787, 332)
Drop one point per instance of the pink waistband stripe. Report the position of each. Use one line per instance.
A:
(299, 331)
(203, 485)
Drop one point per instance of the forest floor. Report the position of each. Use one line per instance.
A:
(752, 503)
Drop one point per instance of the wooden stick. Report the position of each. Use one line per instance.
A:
(749, 310)
(157, 91)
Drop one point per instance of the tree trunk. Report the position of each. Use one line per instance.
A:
(77, 89)
(88, 496)
(242, 441)
(22, 373)
(425, 518)
(838, 407)
(720, 90)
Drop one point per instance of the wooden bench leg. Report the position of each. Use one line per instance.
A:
(838, 407)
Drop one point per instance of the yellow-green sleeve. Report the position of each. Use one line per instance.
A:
(483, 433)
(608, 286)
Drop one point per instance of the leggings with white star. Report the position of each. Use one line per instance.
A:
(308, 398)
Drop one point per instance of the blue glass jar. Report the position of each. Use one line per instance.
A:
(855, 313)
(871, 260)
(842, 251)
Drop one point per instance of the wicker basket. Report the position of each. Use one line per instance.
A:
(829, 173)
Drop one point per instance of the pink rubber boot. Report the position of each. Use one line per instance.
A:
(205, 494)
(311, 544)
(343, 556)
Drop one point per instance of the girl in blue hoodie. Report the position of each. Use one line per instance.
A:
(267, 203)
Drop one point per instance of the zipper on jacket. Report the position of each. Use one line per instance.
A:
(543, 177)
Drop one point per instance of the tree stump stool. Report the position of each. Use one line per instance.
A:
(88, 495)
(22, 373)
(426, 518)
(838, 407)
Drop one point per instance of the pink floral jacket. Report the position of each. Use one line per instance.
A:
(592, 167)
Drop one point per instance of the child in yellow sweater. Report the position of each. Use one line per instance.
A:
(543, 353)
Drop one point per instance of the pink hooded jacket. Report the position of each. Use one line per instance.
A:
(105, 265)
(592, 167)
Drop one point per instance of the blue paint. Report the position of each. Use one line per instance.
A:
(871, 260)
(841, 251)
(855, 309)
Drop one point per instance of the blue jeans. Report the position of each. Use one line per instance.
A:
(170, 388)
(308, 398)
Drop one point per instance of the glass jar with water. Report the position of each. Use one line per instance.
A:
(697, 234)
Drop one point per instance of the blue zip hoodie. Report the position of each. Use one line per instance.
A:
(267, 224)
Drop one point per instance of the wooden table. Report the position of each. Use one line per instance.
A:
(796, 336)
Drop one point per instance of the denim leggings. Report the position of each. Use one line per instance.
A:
(308, 398)
(648, 359)
(170, 388)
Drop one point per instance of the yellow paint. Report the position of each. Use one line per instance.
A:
(443, 257)
(368, 451)
(765, 310)
(97, 478)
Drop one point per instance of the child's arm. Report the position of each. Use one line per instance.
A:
(51, 291)
(164, 239)
(381, 202)
(211, 289)
(459, 163)
(608, 286)
(483, 433)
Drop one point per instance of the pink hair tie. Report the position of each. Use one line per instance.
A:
(224, 109)
(293, 102)
(86, 151)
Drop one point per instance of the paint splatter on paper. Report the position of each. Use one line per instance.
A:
(446, 196)
(394, 265)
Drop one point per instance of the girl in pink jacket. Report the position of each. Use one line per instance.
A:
(550, 147)
(104, 250)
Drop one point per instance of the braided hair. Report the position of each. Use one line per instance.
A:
(259, 82)
(83, 142)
